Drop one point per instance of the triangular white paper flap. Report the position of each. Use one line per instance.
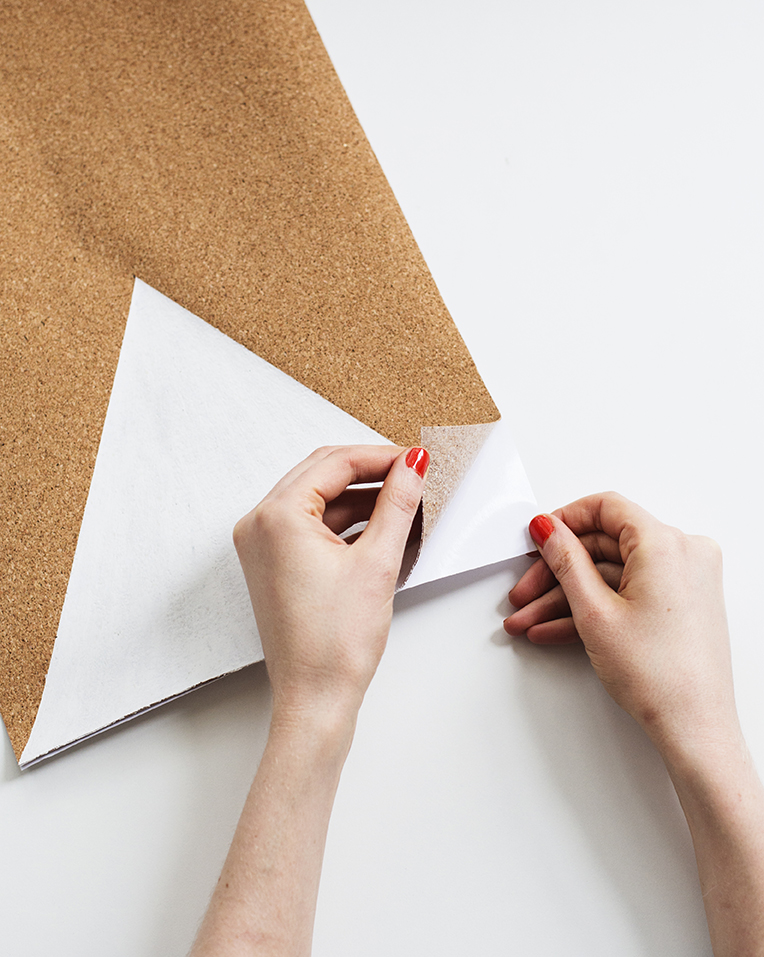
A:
(197, 431)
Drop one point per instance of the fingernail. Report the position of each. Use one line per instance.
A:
(541, 527)
(419, 461)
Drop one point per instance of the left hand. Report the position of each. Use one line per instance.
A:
(324, 606)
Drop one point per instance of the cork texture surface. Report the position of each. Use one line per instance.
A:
(208, 148)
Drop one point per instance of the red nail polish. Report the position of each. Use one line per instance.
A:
(541, 527)
(419, 461)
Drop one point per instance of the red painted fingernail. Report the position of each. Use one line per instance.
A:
(541, 527)
(419, 461)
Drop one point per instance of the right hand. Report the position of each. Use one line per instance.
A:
(650, 614)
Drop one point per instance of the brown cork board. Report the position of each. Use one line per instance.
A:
(209, 148)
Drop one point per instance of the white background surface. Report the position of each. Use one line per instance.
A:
(585, 182)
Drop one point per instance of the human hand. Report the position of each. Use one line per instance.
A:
(646, 600)
(324, 606)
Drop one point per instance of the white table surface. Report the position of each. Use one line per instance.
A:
(585, 182)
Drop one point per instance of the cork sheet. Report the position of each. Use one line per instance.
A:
(209, 148)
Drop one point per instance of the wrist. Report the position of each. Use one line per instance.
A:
(695, 736)
(327, 727)
(707, 765)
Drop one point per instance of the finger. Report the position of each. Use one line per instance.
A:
(319, 455)
(554, 603)
(286, 480)
(611, 513)
(352, 506)
(612, 573)
(571, 565)
(548, 607)
(535, 582)
(397, 505)
(330, 474)
(412, 542)
(560, 632)
(539, 579)
(601, 547)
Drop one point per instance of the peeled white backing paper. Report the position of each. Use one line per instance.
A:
(197, 431)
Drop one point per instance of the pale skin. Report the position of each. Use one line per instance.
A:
(323, 610)
(645, 600)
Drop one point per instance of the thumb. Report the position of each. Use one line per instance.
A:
(571, 564)
(396, 506)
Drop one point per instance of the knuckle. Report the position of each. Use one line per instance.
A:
(669, 542)
(564, 564)
(322, 451)
(241, 532)
(687, 550)
(266, 518)
(677, 539)
(614, 500)
(708, 548)
(710, 545)
(248, 529)
(339, 454)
